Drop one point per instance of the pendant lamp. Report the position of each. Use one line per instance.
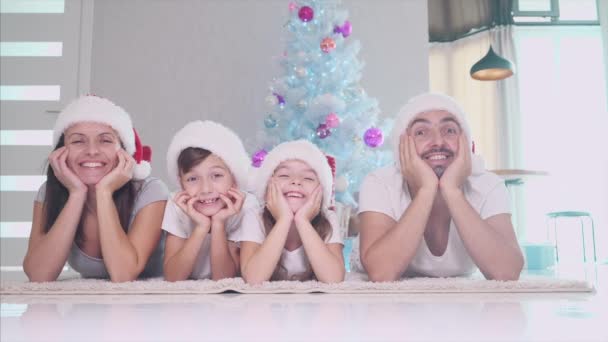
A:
(492, 67)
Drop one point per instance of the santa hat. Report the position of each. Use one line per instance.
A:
(91, 108)
(429, 102)
(215, 138)
(302, 150)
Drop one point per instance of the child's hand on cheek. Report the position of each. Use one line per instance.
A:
(234, 202)
(186, 203)
(276, 202)
(311, 207)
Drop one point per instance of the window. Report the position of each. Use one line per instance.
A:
(564, 114)
(555, 12)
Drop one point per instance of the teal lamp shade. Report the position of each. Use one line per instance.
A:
(492, 67)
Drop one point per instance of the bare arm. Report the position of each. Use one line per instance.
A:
(387, 247)
(491, 243)
(326, 260)
(47, 253)
(258, 262)
(126, 255)
(181, 254)
(224, 254)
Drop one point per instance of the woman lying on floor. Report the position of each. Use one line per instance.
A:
(98, 209)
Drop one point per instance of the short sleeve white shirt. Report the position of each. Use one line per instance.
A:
(293, 265)
(178, 223)
(383, 191)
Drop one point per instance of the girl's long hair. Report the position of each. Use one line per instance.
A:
(57, 195)
(319, 223)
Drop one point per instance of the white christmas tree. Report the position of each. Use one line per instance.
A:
(319, 97)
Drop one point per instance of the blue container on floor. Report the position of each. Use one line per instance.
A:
(538, 256)
(348, 248)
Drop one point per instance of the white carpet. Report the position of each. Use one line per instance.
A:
(355, 283)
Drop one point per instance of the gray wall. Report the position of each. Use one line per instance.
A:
(169, 62)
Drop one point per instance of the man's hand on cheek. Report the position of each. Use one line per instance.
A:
(415, 171)
(459, 170)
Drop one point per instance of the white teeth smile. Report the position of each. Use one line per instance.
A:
(209, 201)
(92, 164)
(294, 194)
(438, 157)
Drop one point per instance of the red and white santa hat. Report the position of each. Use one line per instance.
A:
(92, 108)
(302, 150)
(429, 102)
(215, 138)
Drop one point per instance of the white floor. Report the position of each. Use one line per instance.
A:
(236, 317)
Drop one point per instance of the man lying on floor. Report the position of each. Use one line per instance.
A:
(436, 212)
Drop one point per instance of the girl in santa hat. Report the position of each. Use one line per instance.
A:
(208, 162)
(98, 210)
(300, 238)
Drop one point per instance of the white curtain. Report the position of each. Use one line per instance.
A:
(492, 106)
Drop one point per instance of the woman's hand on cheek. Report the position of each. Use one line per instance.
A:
(120, 175)
(276, 202)
(311, 207)
(58, 162)
(234, 202)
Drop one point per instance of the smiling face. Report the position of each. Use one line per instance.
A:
(206, 180)
(296, 181)
(436, 136)
(92, 150)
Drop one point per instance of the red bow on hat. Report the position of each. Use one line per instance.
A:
(143, 157)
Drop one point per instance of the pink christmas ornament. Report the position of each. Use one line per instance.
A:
(332, 120)
(328, 44)
(306, 14)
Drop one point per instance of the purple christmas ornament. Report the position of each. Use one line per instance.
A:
(306, 13)
(323, 131)
(346, 29)
(258, 158)
(280, 98)
(373, 137)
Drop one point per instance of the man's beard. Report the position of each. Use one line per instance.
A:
(439, 170)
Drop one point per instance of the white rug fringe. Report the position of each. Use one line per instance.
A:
(355, 283)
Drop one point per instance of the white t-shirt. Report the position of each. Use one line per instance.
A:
(382, 191)
(293, 265)
(178, 223)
